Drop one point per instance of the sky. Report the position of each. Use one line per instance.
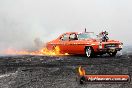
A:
(23, 21)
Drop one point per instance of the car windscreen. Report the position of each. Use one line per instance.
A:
(86, 36)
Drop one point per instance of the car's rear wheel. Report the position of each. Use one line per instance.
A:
(89, 51)
(112, 54)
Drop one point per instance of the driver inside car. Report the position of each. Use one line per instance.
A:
(75, 37)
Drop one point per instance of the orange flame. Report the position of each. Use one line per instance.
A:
(81, 71)
(43, 51)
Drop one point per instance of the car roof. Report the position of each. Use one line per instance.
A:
(76, 32)
(70, 32)
(73, 32)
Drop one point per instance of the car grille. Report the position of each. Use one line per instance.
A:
(110, 45)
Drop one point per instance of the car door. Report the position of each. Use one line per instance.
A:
(73, 43)
(76, 46)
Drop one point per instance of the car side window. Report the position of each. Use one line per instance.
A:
(65, 37)
(73, 36)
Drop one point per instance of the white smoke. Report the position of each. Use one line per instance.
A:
(22, 21)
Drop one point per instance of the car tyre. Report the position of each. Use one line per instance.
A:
(112, 54)
(89, 51)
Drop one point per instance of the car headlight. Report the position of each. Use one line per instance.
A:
(121, 46)
(100, 46)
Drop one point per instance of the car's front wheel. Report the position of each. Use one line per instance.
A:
(112, 53)
(89, 51)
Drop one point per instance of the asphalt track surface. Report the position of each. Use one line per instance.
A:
(28, 71)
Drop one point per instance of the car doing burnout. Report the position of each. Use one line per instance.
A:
(86, 43)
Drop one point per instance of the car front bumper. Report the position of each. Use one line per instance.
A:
(109, 49)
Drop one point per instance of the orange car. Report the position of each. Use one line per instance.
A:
(86, 43)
